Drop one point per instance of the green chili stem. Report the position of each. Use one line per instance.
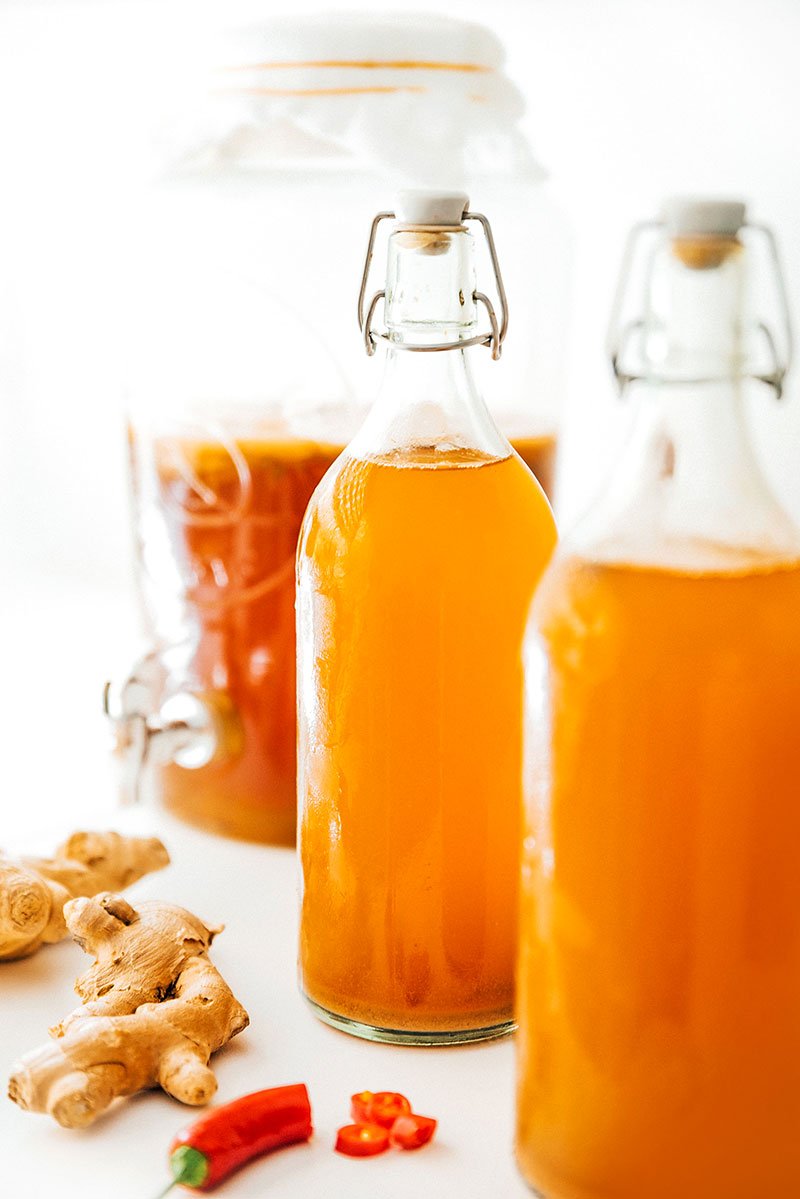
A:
(161, 1194)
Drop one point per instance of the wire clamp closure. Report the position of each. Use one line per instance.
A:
(630, 367)
(492, 337)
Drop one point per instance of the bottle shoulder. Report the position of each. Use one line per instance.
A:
(582, 597)
(418, 493)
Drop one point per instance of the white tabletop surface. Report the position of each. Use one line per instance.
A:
(61, 779)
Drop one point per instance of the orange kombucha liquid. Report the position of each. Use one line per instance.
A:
(415, 575)
(539, 455)
(232, 528)
(659, 979)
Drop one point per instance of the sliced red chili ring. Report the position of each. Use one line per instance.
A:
(362, 1140)
(388, 1106)
(380, 1107)
(360, 1105)
(412, 1131)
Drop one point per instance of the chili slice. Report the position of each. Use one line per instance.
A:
(362, 1140)
(412, 1131)
(360, 1105)
(387, 1106)
(381, 1107)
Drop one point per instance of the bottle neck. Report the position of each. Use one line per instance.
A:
(688, 492)
(430, 286)
(694, 325)
(428, 404)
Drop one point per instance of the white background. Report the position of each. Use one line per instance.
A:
(628, 100)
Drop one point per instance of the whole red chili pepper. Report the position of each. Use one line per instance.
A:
(211, 1148)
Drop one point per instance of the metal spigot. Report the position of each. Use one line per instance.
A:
(185, 728)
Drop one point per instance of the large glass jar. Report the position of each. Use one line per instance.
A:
(659, 976)
(248, 376)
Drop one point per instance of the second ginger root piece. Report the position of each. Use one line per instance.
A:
(154, 1010)
(33, 891)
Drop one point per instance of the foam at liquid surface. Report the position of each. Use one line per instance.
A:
(692, 557)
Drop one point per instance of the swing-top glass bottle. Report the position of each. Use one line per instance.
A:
(417, 561)
(659, 977)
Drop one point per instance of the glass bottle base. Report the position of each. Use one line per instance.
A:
(401, 1036)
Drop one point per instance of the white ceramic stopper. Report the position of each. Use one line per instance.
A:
(690, 217)
(424, 206)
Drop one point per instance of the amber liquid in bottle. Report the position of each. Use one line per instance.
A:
(539, 455)
(416, 569)
(660, 969)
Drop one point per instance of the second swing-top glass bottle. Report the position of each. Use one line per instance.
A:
(659, 980)
(417, 561)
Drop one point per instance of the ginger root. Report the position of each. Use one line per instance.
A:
(154, 1010)
(33, 891)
